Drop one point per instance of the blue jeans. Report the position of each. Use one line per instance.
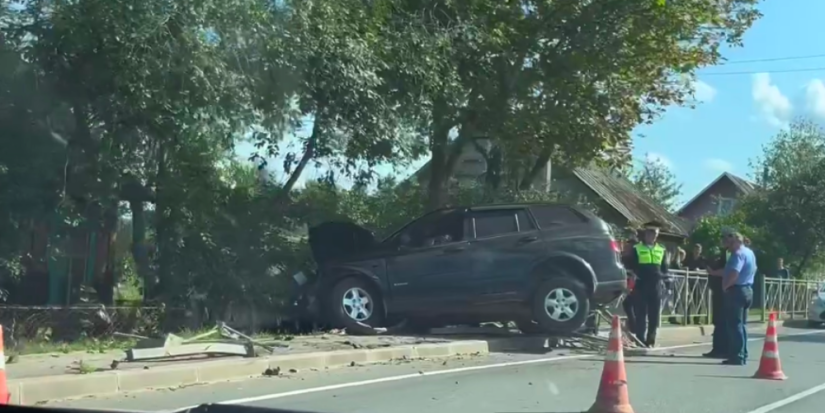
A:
(738, 300)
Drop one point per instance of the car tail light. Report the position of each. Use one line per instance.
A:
(615, 245)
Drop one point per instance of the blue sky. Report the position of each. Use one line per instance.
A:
(739, 112)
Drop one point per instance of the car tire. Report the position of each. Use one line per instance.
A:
(368, 310)
(569, 309)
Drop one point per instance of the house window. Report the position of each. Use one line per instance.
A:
(725, 206)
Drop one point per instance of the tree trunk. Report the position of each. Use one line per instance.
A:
(154, 286)
(139, 252)
(439, 175)
(532, 174)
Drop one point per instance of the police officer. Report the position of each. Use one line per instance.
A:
(720, 334)
(647, 261)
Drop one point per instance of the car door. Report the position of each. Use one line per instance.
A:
(429, 265)
(505, 249)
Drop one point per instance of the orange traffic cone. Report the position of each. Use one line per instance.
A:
(769, 366)
(612, 396)
(5, 396)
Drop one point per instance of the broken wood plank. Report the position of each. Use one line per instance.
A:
(194, 349)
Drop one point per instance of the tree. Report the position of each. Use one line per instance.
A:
(334, 55)
(655, 179)
(566, 81)
(791, 203)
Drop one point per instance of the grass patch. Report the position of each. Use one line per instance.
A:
(99, 346)
(90, 346)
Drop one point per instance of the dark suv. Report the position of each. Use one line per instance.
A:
(540, 265)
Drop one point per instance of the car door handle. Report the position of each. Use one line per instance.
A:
(453, 250)
(527, 240)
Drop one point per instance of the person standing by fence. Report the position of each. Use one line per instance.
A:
(737, 283)
(720, 332)
(696, 262)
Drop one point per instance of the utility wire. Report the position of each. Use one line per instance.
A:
(773, 59)
(753, 72)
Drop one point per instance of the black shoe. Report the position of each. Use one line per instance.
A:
(730, 362)
(715, 355)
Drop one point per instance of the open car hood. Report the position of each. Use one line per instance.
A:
(333, 241)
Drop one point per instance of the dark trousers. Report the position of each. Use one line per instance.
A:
(738, 300)
(647, 306)
(720, 329)
(628, 306)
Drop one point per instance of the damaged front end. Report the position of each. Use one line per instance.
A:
(330, 243)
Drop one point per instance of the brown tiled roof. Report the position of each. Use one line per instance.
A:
(623, 197)
(743, 185)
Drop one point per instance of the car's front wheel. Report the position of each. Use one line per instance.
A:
(356, 305)
(561, 305)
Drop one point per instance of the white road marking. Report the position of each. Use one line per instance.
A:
(784, 402)
(339, 386)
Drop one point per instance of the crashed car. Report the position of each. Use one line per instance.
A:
(543, 266)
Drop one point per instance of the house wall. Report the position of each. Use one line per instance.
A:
(706, 204)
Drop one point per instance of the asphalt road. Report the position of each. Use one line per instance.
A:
(672, 380)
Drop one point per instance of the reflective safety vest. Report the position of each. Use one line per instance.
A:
(650, 255)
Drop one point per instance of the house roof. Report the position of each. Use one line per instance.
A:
(743, 185)
(623, 197)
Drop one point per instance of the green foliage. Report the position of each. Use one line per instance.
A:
(657, 181)
(791, 206)
(125, 110)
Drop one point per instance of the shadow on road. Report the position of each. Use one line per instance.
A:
(673, 356)
(719, 376)
(807, 338)
(695, 363)
(803, 324)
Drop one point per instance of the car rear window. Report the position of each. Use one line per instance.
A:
(501, 222)
(556, 215)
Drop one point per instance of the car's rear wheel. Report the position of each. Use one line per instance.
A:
(356, 305)
(561, 305)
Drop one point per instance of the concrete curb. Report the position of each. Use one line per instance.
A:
(36, 390)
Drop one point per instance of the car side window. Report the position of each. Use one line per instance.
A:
(496, 222)
(556, 215)
(441, 229)
(525, 223)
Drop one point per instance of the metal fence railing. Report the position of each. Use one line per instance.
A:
(788, 297)
(686, 298)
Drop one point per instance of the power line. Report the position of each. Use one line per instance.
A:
(753, 72)
(773, 59)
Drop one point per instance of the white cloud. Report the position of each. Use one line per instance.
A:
(718, 165)
(815, 98)
(774, 107)
(660, 159)
(703, 92)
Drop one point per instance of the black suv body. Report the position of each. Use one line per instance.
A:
(541, 265)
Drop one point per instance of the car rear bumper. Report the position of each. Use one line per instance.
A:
(608, 291)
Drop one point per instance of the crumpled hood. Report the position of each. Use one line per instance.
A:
(332, 241)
